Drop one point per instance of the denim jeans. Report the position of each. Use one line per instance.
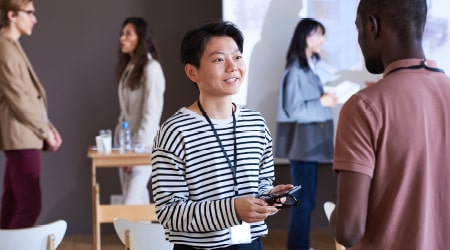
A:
(304, 174)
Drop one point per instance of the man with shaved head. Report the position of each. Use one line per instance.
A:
(392, 151)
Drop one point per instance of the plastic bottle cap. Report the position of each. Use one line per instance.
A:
(124, 124)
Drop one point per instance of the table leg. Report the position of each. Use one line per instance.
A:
(95, 218)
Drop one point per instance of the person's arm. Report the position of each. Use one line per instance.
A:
(348, 220)
(153, 103)
(174, 209)
(354, 160)
(294, 96)
(266, 166)
(18, 96)
(301, 96)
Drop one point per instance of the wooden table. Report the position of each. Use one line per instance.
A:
(107, 213)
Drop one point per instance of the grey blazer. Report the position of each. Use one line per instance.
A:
(305, 130)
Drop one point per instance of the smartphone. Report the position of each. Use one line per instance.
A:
(289, 191)
(280, 196)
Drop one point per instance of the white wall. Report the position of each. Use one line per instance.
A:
(269, 24)
(271, 32)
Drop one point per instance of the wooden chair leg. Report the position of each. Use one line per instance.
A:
(339, 246)
(51, 242)
(128, 245)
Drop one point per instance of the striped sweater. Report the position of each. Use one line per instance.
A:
(192, 182)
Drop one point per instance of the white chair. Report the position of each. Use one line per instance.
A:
(328, 207)
(40, 237)
(140, 235)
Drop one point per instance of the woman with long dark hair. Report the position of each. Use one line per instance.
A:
(141, 86)
(304, 124)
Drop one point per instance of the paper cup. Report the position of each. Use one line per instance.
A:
(99, 143)
(107, 143)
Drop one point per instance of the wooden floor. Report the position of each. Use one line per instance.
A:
(321, 239)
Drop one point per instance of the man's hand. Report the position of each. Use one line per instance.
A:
(53, 141)
(251, 209)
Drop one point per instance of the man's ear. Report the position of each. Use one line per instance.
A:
(374, 26)
(11, 14)
(191, 72)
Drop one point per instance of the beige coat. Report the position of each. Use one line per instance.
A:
(142, 107)
(23, 103)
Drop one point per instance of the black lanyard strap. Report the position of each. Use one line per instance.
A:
(232, 166)
(423, 65)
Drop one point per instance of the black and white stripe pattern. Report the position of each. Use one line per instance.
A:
(192, 181)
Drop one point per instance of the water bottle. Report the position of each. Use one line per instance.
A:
(124, 138)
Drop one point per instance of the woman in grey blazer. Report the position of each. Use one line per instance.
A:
(304, 124)
(141, 86)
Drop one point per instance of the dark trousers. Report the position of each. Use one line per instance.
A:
(304, 174)
(21, 200)
(254, 245)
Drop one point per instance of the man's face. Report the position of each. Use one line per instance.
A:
(222, 68)
(25, 19)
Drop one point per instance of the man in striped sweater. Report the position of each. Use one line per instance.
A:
(212, 158)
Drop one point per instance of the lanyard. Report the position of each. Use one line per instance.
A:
(232, 166)
(419, 66)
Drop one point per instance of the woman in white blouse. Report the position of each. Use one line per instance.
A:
(141, 86)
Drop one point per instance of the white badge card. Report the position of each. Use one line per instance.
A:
(240, 234)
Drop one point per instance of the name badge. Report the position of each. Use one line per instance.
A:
(240, 234)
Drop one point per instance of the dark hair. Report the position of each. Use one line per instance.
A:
(145, 45)
(297, 47)
(194, 41)
(7, 6)
(407, 17)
